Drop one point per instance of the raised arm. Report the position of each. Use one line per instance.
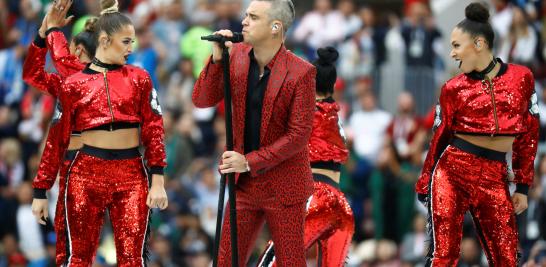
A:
(65, 63)
(34, 72)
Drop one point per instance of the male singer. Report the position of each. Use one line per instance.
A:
(273, 95)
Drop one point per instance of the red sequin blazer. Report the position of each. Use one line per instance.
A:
(287, 118)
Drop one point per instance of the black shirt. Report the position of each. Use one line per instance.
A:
(256, 87)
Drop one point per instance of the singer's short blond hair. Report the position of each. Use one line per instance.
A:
(282, 10)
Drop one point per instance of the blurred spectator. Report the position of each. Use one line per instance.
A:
(391, 188)
(538, 255)
(367, 143)
(532, 222)
(228, 15)
(521, 43)
(405, 130)
(423, 49)
(413, 250)
(346, 9)
(3, 24)
(168, 29)
(178, 142)
(36, 110)
(27, 24)
(208, 191)
(358, 54)
(30, 234)
(501, 19)
(180, 87)
(470, 253)
(11, 81)
(319, 28)
(392, 85)
(148, 55)
(193, 240)
(387, 252)
(161, 252)
(11, 256)
(12, 168)
(191, 45)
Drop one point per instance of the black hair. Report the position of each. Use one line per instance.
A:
(110, 20)
(87, 37)
(477, 23)
(326, 70)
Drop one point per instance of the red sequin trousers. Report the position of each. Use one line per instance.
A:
(465, 182)
(95, 185)
(329, 222)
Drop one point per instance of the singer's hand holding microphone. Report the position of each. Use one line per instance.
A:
(226, 36)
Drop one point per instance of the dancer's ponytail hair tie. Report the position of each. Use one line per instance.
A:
(112, 9)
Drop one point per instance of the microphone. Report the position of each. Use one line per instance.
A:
(236, 38)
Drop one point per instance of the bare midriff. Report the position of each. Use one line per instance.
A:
(75, 143)
(334, 175)
(118, 139)
(497, 143)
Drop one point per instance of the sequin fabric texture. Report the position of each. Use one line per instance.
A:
(327, 142)
(466, 106)
(465, 182)
(453, 181)
(282, 162)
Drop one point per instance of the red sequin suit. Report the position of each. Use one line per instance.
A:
(93, 184)
(454, 181)
(329, 220)
(35, 75)
(280, 177)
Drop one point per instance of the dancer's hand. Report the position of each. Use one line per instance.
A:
(39, 210)
(43, 28)
(520, 202)
(233, 162)
(56, 16)
(217, 49)
(157, 197)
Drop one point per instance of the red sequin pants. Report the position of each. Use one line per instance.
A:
(465, 182)
(329, 222)
(255, 204)
(94, 185)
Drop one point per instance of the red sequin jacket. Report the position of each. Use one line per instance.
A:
(327, 142)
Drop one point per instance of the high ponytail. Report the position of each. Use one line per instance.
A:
(87, 37)
(326, 70)
(477, 23)
(110, 20)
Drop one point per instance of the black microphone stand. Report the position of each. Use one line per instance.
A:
(230, 176)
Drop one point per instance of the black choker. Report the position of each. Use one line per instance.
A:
(480, 75)
(103, 65)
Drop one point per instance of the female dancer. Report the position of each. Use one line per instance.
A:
(329, 220)
(108, 101)
(483, 113)
(68, 61)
